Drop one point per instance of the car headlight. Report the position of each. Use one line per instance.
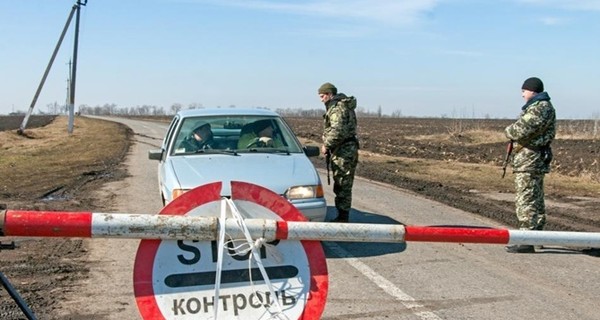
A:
(304, 192)
(177, 192)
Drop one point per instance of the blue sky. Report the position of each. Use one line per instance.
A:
(454, 58)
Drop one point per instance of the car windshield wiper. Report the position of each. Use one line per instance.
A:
(269, 150)
(217, 151)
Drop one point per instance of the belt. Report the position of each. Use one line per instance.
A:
(349, 139)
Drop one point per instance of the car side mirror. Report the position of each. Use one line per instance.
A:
(155, 154)
(311, 151)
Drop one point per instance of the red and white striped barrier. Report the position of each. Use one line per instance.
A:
(180, 227)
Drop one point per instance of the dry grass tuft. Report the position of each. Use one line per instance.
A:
(467, 137)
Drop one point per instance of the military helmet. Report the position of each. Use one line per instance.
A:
(327, 88)
(201, 127)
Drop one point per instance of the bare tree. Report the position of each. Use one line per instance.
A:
(596, 117)
(176, 107)
(195, 105)
(53, 108)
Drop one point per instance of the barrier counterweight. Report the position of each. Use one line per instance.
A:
(180, 227)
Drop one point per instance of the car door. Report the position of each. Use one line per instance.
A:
(165, 191)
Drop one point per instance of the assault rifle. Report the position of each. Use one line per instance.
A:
(328, 164)
(509, 150)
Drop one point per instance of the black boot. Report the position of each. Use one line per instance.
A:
(343, 216)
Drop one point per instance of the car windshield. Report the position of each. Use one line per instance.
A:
(234, 134)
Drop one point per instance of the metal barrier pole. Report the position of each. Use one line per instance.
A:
(178, 227)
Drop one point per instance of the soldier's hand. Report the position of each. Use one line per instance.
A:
(323, 150)
(265, 141)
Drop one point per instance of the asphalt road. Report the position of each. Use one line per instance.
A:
(370, 280)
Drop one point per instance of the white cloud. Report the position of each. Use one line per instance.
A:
(553, 21)
(463, 53)
(393, 12)
(576, 5)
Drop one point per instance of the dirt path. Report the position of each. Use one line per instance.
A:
(111, 260)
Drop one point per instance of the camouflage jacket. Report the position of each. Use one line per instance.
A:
(251, 139)
(339, 122)
(533, 133)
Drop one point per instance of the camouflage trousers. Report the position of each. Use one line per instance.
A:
(343, 166)
(529, 202)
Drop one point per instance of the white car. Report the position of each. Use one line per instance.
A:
(238, 151)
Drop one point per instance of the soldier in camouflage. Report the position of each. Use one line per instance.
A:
(531, 135)
(340, 142)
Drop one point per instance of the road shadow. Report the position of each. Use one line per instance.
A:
(592, 252)
(359, 249)
(342, 249)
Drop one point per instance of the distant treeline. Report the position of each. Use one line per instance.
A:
(150, 110)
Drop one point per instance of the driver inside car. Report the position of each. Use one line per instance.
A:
(201, 138)
(261, 135)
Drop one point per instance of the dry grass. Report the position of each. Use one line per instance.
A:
(482, 136)
(469, 176)
(465, 175)
(574, 130)
(480, 177)
(49, 158)
(468, 137)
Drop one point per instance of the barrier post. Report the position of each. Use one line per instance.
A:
(12, 292)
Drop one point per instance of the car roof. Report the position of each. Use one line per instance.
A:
(226, 111)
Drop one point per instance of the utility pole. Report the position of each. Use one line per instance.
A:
(74, 71)
(75, 8)
(68, 98)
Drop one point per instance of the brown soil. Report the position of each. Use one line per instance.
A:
(15, 122)
(43, 270)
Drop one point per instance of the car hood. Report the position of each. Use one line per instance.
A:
(276, 172)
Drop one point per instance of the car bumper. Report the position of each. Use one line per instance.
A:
(313, 210)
